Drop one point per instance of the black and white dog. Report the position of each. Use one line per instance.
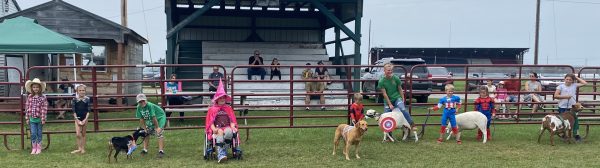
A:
(119, 144)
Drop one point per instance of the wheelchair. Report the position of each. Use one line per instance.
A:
(210, 147)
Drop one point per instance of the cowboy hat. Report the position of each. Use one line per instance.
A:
(35, 81)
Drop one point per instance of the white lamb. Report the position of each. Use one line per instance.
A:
(400, 123)
(469, 121)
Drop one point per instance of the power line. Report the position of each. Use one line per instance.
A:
(147, 33)
(140, 11)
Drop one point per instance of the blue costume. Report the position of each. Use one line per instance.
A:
(450, 105)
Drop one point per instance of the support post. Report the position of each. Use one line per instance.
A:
(357, 55)
(537, 33)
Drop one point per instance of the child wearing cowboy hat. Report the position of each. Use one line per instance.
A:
(36, 108)
(221, 121)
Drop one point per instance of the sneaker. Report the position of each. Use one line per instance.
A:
(323, 108)
(307, 108)
(459, 142)
(144, 152)
(439, 140)
(222, 159)
(577, 138)
(161, 154)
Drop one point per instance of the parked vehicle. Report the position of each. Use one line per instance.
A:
(482, 79)
(439, 77)
(420, 89)
(151, 73)
(551, 80)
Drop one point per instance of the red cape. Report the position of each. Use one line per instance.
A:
(212, 114)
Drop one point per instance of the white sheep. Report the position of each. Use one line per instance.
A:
(401, 122)
(469, 121)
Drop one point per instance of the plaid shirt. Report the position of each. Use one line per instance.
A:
(36, 107)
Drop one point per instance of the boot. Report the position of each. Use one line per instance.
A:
(442, 129)
(455, 130)
(33, 148)
(479, 134)
(489, 136)
(39, 148)
(222, 154)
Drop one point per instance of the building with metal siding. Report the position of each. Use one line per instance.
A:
(8, 7)
(192, 22)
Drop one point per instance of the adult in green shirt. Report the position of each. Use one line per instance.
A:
(391, 89)
(152, 119)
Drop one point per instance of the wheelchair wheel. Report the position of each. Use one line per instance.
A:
(237, 154)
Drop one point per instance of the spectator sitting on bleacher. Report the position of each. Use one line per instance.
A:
(512, 85)
(275, 70)
(311, 87)
(215, 76)
(256, 60)
(322, 72)
(174, 87)
(533, 86)
(491, 88)
(501, 97)
(63, 103)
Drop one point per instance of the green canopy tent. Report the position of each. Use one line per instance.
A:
(23, 35)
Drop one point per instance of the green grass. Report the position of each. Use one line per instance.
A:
(512, 146)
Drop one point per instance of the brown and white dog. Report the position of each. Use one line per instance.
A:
(556, 125)
(352, 136)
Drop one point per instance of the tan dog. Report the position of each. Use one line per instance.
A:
(555, 125)
(352, 136)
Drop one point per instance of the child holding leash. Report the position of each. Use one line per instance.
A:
(36, 108)
(485, 104)
(451, 104)
(565, 93)
(81, 106)
(356, 109)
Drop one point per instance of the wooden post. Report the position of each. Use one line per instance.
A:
(537, 33)
(124, 13)
(121, 53)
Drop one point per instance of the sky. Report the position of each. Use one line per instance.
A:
(569, 29)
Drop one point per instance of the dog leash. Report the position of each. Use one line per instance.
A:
(140, 142)
(424, 124)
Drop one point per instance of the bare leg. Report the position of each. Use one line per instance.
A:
(307, 99)
(83, 132)
(78, 138)
(146, 141)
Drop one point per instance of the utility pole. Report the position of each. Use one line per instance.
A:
(121, 52)
(369, 46)
(124, 13)
(537, 33)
